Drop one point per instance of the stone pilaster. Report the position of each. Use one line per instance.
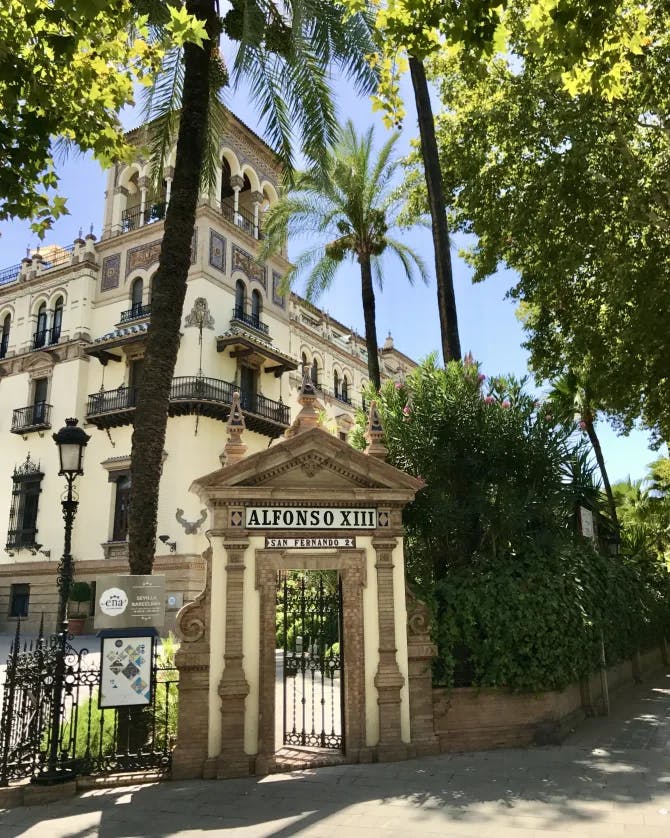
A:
(233, 687)
(266, 582)
(420, 653)
(388, 680)
(192, 661)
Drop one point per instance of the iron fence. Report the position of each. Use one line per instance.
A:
(92, 741)
(36, 415)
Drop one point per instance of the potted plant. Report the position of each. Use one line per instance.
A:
(79, 592)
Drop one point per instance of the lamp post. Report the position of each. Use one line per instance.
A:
(71, 441)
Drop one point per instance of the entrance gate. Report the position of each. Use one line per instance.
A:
(309, 629)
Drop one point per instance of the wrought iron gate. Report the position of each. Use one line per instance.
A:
(309, 629)
(91, 740)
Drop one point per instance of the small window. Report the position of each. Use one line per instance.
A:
(336, 383)
(19, 599)
(315, 373)
(343, 436)
(57, 321)
(345, 389)
(240, 298)
(304, 365)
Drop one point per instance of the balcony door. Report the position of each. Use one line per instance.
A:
(40, 388)
(41, 331)
(248, 388)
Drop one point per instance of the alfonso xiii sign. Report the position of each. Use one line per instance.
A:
(310, 518)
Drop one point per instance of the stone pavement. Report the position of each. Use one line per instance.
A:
(611, 777)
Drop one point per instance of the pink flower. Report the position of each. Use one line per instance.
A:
(398, 385)
(506, 404)
(489, 400)
(407, 410)
(481, 377)
(582, 426)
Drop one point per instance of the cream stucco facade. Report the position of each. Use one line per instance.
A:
(73, 322)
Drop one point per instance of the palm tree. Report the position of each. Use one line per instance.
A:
(571, 400)
(348, 199)
(444, 277)
(284, 51)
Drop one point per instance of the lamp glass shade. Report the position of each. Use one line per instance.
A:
(71, 441)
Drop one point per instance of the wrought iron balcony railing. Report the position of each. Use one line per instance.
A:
(46, 337)
(135, 313)
(252, 320)
(111, 401)
(133, 218)
(242, 219)
(193, 394)
(32, 418)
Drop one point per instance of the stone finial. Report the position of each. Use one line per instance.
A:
(309, 414)
(374, 434)
(234, 450)
(388, 343)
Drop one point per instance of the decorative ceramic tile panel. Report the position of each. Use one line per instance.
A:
(111, 272)
(245, 262)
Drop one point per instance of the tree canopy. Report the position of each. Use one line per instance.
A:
(67, 67)
(564, 177)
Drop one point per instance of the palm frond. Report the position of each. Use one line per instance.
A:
(161, 111)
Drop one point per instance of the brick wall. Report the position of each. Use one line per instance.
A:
(470, 719)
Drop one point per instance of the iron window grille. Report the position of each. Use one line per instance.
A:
(22, 530)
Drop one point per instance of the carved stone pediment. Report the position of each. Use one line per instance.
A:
(313, 460)
(40, 361)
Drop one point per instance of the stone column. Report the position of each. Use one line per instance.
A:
(233, 687)
(388, 680)
(257, 199)
(237, 182)
(119, 203)
(169, 176)
(143, 183)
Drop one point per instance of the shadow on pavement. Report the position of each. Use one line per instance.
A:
(612, 771)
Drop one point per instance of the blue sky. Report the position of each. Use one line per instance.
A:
(488, 326)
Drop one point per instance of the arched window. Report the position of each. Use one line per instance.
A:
(304, 365)
(256, 308)
(227, 190)
(240, 298)
(345, 389)
(152, 287)
(57, 321)
(315, 373)
(336, 383)
(4, 335)
(136, 292)
(41, 331)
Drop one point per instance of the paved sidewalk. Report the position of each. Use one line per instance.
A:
(610, 778)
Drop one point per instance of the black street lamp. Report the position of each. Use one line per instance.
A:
(71, 441)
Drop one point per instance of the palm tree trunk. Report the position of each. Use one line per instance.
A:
(167, 302)
(598, 451)
(446, 299)
(369, 317)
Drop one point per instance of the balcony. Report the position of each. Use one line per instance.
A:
(35, 417)
(192, 395)
(252, 320)
(242, 219)
(137, 312)
(46, 337)
(135, 217)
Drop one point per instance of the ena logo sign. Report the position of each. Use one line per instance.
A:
(113, 602)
